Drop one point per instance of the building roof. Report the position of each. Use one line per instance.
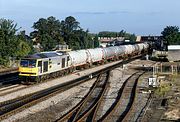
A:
(149, 38)
(110, 39)
(174, 47)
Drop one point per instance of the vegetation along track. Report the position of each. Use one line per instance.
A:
(123, 105)
(83, 111)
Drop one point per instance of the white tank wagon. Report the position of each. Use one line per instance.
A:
(109, 52)
(95, 55)
(123, 49)
(143, 47)
(133, 49)
(79, 57)
(119, 50)
(129, 49)
(136, 48)
(146, 46)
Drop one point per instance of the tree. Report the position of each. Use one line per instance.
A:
(85, 40)
(171, 35)
(11, 45)
(170, 30)
(131, 37)
(96, 41)
(68, 28)
(50, 32)
(25, 43)
(47, 32)
(122, 33)
(74, 35)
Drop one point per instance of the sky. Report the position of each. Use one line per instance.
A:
(142, 17)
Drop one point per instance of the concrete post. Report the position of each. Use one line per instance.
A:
(153, 71)
(147, 57)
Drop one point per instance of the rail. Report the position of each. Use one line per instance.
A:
(11, 106)
(8, 71)
(128, 89)
(9, 75)
(83, 110)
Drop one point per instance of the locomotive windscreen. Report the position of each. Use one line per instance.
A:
(28, 63)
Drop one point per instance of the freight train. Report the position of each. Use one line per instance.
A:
(45, 65)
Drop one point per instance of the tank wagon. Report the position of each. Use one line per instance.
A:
(41, 66)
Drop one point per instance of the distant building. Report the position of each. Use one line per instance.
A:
(173, 47)
(148, 38)
(138, 38)
(156, 40)
(173, 53)
(62, 48)
(104, 41)
(38, 47)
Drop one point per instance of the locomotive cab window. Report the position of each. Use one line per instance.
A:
(45, 64)
(63, 62)
(39, 63)
(40, 66)
(68, 58)
(28, 63)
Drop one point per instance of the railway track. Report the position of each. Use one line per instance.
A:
(9, 81)
(85, 110)
(141, 115)
(8, 71)
(8, 77)
(10, 107)
(122, 108)
(11, 88)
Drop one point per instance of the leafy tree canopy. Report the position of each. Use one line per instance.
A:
(171, 35)
(11, 44)
(51, 32)
(47, 33)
